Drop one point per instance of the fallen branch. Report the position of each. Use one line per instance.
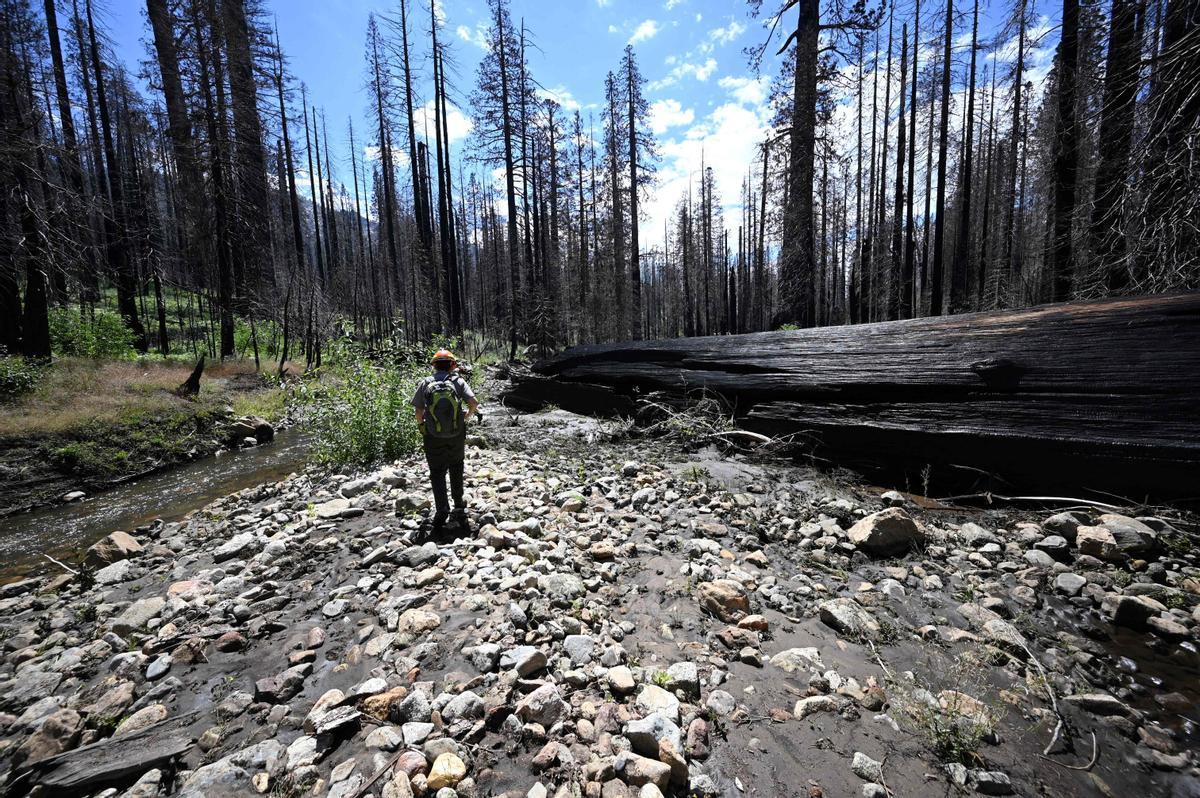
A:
(741, 433)
(879, 660)
(1053, 701)
(1091, 762)
(990, 497)
(391, 763)
(62, 565)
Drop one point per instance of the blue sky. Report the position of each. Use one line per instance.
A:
(706, 105)
(703, 95)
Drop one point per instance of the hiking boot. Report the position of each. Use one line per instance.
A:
(439, 521)
(459, 516)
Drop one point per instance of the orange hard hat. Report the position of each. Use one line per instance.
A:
(444, 354)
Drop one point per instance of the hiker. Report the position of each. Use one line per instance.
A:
(439, 403)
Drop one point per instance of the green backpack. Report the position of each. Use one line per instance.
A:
(443, 408)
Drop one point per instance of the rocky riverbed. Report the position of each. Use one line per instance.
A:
(622, 620)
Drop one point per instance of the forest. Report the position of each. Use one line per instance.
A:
(914, 168)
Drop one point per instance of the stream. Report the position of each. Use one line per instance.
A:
(65, 529)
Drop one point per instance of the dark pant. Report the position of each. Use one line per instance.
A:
(445, 456)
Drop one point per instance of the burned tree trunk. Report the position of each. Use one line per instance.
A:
(1090, 395)
(191, 386)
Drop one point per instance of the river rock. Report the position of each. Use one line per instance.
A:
(1133, 537)
(887, 532)
(865, 767)
(637, 770)
(620, 680)
(525, 660)
(651, 698)
(464, 706)
(282, 686)
(684, 677)
(1066, 524)
(561, 588)
(137, 615)
(31, 686)
(142, 719)
(724, 598)
(1069, 584)
(447, 771)
(849, 618)
(116, 546)
(795, 660)
(817, 703)
(120, 571)
(239, 545)
(58, 733)
(1135, 611)
(414, 623)
(544, 705)
(1099, 542)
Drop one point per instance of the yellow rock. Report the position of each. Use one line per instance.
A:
(447, 771)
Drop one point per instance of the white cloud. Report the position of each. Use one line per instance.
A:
(561, 95)
(726, 34)
(727, 141)
(700, 72)
(666, 114)
(746, 90)
(670, 4)
(458, 124)
(477, 37)
(648, 29)
(604, 3)
(613, 29)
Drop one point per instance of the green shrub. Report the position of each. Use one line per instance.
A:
(17, 376)
(364, 416)
(102, 335)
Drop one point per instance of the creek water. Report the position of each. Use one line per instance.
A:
(63, 530)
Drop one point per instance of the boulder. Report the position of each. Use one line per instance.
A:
(1066, 524)
(1133, 537)
(251, 427)
(116, 546)
(637, 770)
(645, 734)
(137, 615)
(887, 532)
(544, 706)
(1098, 542)
(59, 732)
(1135, 611)
(849, 618)
(801, 660)
(447, 771)
(724, 598)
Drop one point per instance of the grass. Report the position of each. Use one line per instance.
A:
(965, 716)
(100, 420)
(269, 403)
(81, 392)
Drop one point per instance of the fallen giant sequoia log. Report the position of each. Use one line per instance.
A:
(1101, 396)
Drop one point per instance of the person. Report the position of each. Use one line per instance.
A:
(444, 403)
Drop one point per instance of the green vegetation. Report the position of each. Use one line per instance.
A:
(361, 412)
(103, 335)
(269, 403)
(18, 376)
